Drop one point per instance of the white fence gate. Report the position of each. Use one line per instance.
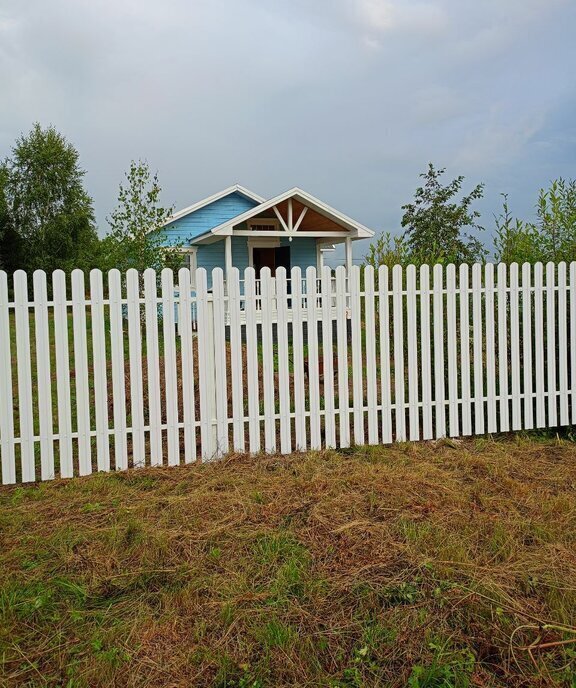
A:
(100, 378)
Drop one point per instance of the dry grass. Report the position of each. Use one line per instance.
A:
(417, 565)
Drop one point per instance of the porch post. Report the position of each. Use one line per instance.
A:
(228, 254)
(319, 257)
(348, 255)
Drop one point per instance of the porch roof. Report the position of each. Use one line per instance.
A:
(290, 209)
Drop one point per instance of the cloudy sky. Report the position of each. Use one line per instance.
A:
(349, 99)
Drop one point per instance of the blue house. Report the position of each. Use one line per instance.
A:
(238, 228)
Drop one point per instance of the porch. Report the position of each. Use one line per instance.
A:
(295, 293)
(292, 230)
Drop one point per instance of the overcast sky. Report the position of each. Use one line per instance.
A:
(348, 99)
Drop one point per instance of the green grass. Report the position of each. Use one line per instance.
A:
(432, 565)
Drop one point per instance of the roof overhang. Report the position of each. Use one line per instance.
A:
(347, 227)
(236, 188)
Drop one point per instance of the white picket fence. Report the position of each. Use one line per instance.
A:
(99, 378)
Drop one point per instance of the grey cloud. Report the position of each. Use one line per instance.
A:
(347, 98)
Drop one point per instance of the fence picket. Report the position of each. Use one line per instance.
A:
(62, 347)
(385, 379)
(135, 357)
(477, 349)
(491, 410)
(411, 319)
(426, 355)
(170, 374)
(153, 366)
(24, 371)
(7, 445)
(283, 367)
(464, 290)
(563, 346)
(573, 340)
(515, 347)
(81, 372)
(502, 306)
(298, 360)
(539, 345)
(342, 357)
(328, 358)
(253, 391)
(452, 351)
(44, 380)
(439, 385)
(206, 367)
(357, 373)
(187, 362)
(99, 363)
(370, 335)
(313, 366)
(527, 345)
(398, 328)
(220, 366)
(118, 377)
(551, 390)
(268, 360)
(236, 362)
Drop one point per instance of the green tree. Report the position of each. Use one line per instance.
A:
(48, 208)
(134, 241)
(4, 214)
(438, 224)
(388, 250)
(515, 241)
(552, 237)
(11, 245)
(557, 220)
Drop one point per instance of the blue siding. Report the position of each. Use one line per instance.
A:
(302, 253)
(211, 256)
(201, 221)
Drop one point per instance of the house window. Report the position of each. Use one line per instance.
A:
(260, 224)
(190, 261)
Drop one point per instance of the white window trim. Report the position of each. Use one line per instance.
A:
(255, 221)
(193, 252)
(260, 242)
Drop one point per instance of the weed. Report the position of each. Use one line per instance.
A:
(406, 592)
(353, 675)
(276, 634)
(446, 670)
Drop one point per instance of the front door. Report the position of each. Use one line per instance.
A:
(282, 257)
(271, 257)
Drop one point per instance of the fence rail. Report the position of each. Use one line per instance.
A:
(113, 371)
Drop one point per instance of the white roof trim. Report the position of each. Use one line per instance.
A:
(358, 230)
(236, 188)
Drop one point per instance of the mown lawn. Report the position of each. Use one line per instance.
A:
(437, 565)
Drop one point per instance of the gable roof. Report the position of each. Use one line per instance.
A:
(236, 188)
(358, 229)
